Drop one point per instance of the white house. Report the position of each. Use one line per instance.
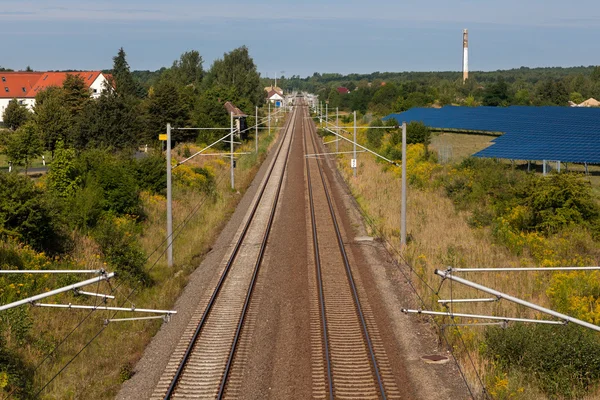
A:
(275, 98)
(24, 86)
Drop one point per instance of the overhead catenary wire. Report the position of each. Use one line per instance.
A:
(390, 246)
(176, 232)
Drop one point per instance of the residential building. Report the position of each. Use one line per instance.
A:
(24, 86)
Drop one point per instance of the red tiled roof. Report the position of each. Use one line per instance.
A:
(17, 84)
(343, 90)
(28, 84)
(49, 79)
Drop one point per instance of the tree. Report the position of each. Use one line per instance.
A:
(595, 76)
(76, 94)
(52, 117)
(522, 97)
(496, 94)
(165, 106)
(384, 99)
(552, 92)
(123, 80)
(576, 97)
(24, 145)
(188, 69)
(236, 71)
(112, 121)
(15, 114)
(24, 214)
(63, 178)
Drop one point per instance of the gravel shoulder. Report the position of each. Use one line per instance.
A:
(407, 338)
(149, 368)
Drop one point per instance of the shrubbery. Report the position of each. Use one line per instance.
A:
(26, 214)
(564, 360)
(117, 238)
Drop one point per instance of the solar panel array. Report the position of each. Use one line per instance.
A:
(568, 134)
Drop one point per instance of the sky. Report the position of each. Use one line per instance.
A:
(301, 37)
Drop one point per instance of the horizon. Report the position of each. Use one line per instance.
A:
(262, 76)
(298, 39)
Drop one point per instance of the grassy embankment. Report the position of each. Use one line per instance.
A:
(99, 370)
(442, 233)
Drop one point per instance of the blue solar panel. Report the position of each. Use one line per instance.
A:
(569, 134)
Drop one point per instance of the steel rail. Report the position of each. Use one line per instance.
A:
(351, 282)
(319, 273)
(217, 290)
(259, 259)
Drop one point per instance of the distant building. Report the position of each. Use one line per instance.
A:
(24, 86)
(343, 90)
(275, 88)
(275, 98)
(239, 119)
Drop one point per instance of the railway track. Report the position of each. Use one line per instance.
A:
(200, 365)
(349, 360)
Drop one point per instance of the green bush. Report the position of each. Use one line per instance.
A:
(16, 377)
(117, 178)
(564, 360)
(117, 238)
(26, 214)
(151, 173)
(558, 201)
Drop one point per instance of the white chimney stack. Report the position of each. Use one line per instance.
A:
(465, 55)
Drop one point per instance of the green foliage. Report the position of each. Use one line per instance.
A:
(558, 201)
(116, 178)
(26, 215)
(237, 73)
(150, 173)
(15, 114)
(123, 80)
(187, 70)
(111, 122)
(564, 360)
(165, 105)
(52, 117)
(24, 145)
(375, 136)
(125, 372)
(496, 94)
(117, 238)
(16, 377)
(76, 95)
(63, 179)
(552, 92)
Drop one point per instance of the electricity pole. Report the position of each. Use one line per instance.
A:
(231, 148)
(256, 130)
(337, 124)
(354, 161)
(403, 205)
(169, 201)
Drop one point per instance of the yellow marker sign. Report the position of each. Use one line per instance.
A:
(162, 136)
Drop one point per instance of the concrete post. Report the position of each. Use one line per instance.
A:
(337, 124)
(354, 152)
(403, 205)
(169, 201)
(231, 148)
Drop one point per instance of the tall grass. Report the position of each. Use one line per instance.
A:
(99, 371)
(440, 236)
